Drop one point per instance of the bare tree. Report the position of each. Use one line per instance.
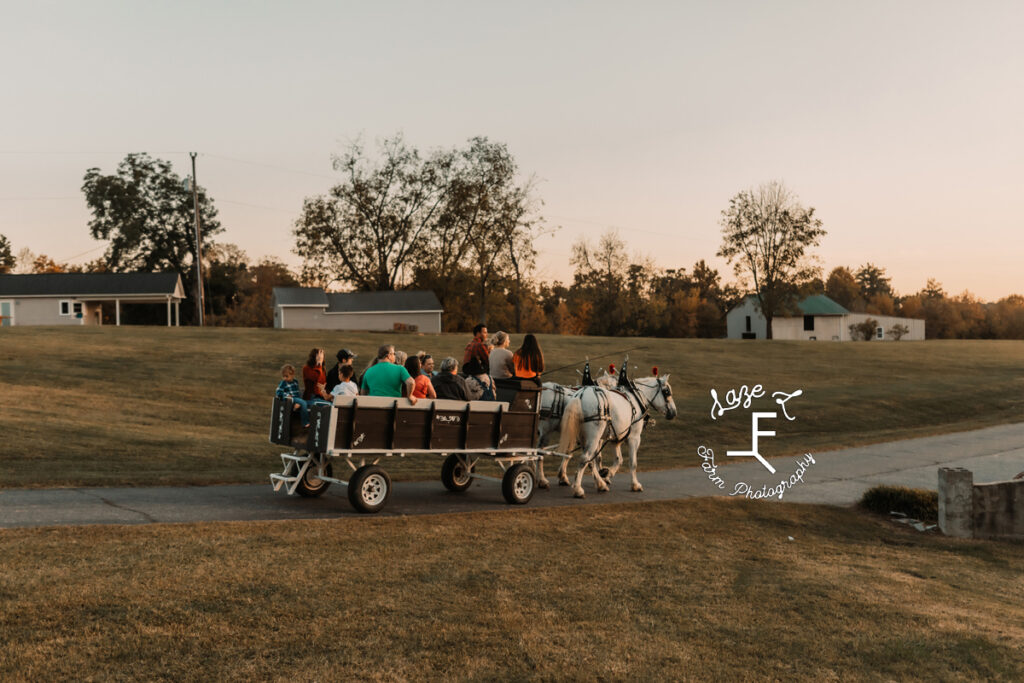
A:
(765, 235)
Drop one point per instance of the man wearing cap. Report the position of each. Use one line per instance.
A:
(345, 357)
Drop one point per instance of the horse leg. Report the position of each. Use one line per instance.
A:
(618, 463)
(599, 481)
(634, 446)
(563, 478)
(587, 459)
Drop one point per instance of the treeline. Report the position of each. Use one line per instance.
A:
(462, 223)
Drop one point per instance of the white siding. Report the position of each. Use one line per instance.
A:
(296, 318)
(43, 312)
(736, 320)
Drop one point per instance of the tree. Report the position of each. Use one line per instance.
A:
(872, 281)
(842, 287)
(765, 235)
(7, 259)
(147, 214)
(367, 229)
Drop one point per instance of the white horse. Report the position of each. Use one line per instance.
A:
(553, 399)
(592, 411)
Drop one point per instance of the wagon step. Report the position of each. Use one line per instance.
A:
(278, 480)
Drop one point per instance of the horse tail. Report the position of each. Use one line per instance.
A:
(572, 420)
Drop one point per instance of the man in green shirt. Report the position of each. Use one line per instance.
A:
(385, 378)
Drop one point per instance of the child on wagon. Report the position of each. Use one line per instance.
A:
(346, 387)
(289, 388)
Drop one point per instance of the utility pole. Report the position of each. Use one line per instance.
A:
(200, 298)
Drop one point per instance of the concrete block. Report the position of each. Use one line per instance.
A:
(999, 510)
(956, 501)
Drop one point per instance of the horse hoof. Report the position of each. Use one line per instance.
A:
(637, 487)
(604, 471)
(579, 494)
(562, 483)
(543, 484)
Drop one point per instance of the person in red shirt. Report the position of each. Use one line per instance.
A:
(314, 377)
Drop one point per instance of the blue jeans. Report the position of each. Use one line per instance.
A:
(303, 409)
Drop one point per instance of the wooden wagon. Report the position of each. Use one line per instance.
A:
(364, 429)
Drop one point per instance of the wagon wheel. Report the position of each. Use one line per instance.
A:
(454, 474)
(369, 488)
(311, 485)
(518, 484)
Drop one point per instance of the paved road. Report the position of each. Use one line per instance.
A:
(836, 477)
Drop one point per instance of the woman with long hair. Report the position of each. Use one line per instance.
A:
(528, 359)
(423, 388)
(314, 378)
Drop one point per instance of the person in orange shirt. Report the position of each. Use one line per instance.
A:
(528, 359)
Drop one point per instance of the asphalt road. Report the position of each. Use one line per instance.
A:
(835, 477)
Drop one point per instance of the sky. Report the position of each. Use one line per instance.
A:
(902, 124)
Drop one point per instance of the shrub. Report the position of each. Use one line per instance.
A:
(920, 504)
(863, 331)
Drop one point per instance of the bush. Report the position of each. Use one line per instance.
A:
(920, 504)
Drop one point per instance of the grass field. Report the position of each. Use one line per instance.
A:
(144, 406)
(699, 589)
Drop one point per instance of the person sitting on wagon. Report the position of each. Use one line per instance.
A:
(289, 388)
(528, 359)
(426, 364)
(422, 386)
(314, 378)
(345, 357)
(476, 364)
(448, 384)
(346, 387)
(501, 358)
(384, 378)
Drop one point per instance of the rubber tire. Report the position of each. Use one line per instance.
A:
(523, 473)
(452, 471)
(310, 490)
(374, 477)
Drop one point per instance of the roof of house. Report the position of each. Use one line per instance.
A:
(816, 304)
(819, 304)
(367, 302)
(299, 296)
(84, 284)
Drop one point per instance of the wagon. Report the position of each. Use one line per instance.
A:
(363, 430)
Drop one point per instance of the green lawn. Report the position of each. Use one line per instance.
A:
(708, 589)
(154, 405)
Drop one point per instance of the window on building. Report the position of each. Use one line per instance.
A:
(879, 333)
(809, 323)
(65, 308)
(76, 308)
(748, 323)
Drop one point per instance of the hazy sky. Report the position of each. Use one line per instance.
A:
(902, 123)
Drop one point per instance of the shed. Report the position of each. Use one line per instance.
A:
(76, 298)
(313, 309)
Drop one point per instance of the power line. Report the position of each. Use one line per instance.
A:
(610, 225)
(266, 165)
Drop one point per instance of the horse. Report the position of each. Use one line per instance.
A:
(594, 410)
(553, 399)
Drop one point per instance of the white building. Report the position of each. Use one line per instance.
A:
(821, 319)
(77, 298)
(310, 308)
